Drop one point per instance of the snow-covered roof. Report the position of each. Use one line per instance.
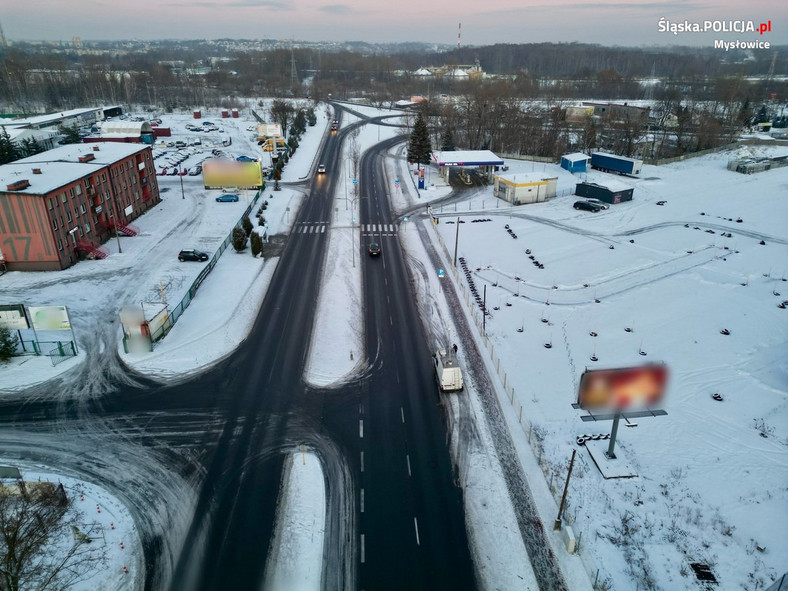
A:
(526, 178)
(107, 153)
(125, 128)
(422, 72)
(41, 119)
(22, 133)
(457, 73)
(61, 166)
(611, 185)
(466, 158)
(575, 157)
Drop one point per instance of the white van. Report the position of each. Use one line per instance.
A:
(447, 371)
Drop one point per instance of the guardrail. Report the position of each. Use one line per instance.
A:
(61, 353)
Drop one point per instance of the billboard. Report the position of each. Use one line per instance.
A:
(49, 317)
(220, 173)
(625, 389)
(13, 317)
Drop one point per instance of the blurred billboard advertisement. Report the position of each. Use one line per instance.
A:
(624, 389)
(220, 173)
(49, 317)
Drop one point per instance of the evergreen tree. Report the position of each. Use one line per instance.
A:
(246, 223)
(8, 149)
(419, 147)
(239, 238)
(70, 135)
(8, 342)
(447, 141)
(257, 244)
(31, 147)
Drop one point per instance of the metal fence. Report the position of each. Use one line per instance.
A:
(62, 352)
(180, 308)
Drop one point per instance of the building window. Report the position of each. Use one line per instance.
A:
(87, 183)
(82, 207)
(59, 244)
(49, 204)
(68, 216)
(54, 224)
(71, 192)
(63, 197)
(78, 189)
(76, 213)
(87, 228)
(103, 177)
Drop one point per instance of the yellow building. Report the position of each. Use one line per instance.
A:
(524, 187)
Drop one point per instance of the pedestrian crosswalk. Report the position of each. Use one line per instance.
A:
(378, 228)
(311, 228)
(366, 229)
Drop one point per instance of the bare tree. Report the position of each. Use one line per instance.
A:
(43, 546)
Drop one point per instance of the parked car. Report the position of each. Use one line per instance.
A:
(192, 255)
(196, 170)
(598, 203)
(661, 202)
(183, 172)
(321, 168)
(173, 172)
(586, 206)
(374, 249)
(245, 159)
(229, 197)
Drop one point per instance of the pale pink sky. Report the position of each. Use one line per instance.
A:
(632, 22)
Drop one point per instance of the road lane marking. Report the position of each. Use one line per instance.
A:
(407, 459)
(363, 553)
(402, 414)
(362, 500)
(391, 321)
(416, 525)
(362, 461)
(361, 428)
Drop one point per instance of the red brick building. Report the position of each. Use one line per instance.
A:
(61, 205)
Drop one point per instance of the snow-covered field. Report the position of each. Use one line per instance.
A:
(711, 475)
(710, 485)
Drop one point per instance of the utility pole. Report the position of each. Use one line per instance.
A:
(183, 196)
(456, 242)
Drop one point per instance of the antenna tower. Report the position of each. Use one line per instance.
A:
(459, 34)
(293, 71)
(4, 42)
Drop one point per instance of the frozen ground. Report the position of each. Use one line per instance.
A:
(711, 475)
(710, 487)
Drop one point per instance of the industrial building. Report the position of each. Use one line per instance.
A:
(58, 206)
(576, 162)
(611, 192)
(524, 187)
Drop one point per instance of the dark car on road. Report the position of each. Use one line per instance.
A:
(192, 255)
(586, 206)
(374, 249)
(227, 198)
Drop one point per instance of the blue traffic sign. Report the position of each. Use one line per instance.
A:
(441, 273)
(355, 181)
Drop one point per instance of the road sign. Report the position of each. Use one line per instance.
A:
(355, 181)
(405, 219)
(396, 181)
(441, 273)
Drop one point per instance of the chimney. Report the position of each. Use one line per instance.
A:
(36, 171)
(95, 148)
(18, 185)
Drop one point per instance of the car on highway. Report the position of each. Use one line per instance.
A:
(192, 255)
(321, 169)
(227, 198)
(586, 206)
(374, 249)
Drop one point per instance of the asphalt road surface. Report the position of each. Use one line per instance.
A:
(209, 452)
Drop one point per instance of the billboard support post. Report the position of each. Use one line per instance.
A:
(610, 453)
(557, 524)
